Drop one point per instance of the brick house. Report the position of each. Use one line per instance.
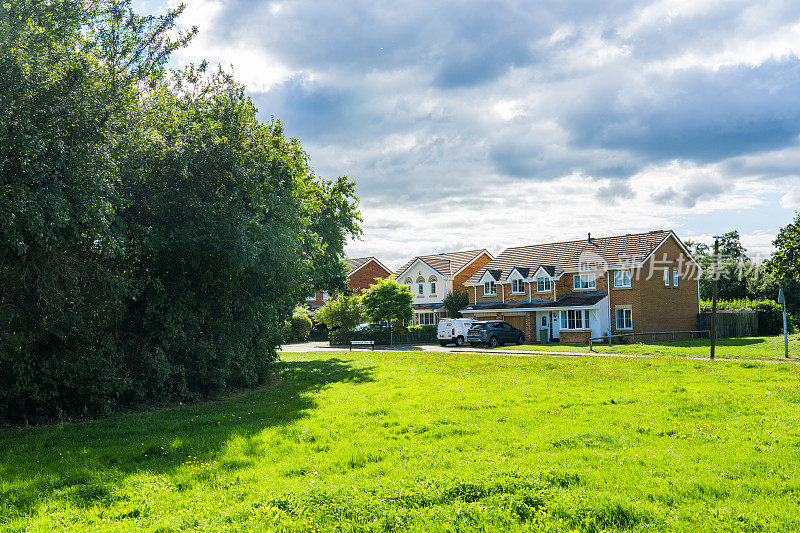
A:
(645, 282)
(362, 274)
(432, 277)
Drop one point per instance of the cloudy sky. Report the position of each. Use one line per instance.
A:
(493, 124)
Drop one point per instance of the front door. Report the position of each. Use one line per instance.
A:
(554, 325)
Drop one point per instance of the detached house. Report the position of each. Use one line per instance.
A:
(432, 277)
(646, 282)
(362, 274)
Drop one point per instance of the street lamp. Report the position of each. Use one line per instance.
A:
(714, 297)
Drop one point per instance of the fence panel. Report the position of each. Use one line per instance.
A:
(381, 337)
(731, 324)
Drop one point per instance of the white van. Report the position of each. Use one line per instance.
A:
(454, 330)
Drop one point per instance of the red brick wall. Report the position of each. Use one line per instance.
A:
(365, 276)
(574, 337)
(480, 262)
(654, 306)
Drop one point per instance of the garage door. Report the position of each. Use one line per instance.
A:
(516, 321)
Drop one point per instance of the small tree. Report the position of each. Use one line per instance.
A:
(387, 300)
(342, 313)
(454, 302)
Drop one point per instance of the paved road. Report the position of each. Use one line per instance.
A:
(322, 346)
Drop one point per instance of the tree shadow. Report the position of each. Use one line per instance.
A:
(82, 462)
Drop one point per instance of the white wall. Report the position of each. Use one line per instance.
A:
(420, 269)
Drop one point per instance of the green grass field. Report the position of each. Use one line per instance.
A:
(752, 348)
(386, 441)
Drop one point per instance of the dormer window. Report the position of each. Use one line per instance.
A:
(489, 288)
(542, 284)
(517, 286)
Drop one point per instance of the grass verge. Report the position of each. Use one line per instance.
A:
(381, 441)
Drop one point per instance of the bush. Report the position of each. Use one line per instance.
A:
(299, 325)
(770, 314)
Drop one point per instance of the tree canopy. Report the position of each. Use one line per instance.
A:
(387, 300)
(344, 312)
(154, 234)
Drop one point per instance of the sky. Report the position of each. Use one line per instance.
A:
(494, 124)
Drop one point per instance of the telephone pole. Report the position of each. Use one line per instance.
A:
(714, 299)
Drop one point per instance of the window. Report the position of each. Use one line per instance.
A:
(584, 281)
(624, 318)
(666, 277)
(675, 278)
(489, 288)
(324, 295)
(542, 284)
(518, 286)
(575, 319)
(311, 298)
(408, 282)
(544, 321)
(426, 319)
(622, 278)
(420, 286)
(433, 285)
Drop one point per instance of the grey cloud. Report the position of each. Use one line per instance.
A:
(615, 191)
(691, 194)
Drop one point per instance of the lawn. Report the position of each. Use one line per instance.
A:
(382, 441)
(752, 348)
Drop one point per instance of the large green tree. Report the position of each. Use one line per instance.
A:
(154, 235)
(344, 312)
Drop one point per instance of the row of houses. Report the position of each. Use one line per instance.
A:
(568, 291)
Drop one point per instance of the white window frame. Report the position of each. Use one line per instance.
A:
(666, 277)
(432, 282)
(578, 282)
(420, 286)
(575, 320)
(493, 286)
(426, 319)
(544, 282)
(521, 286)
(675, 277)
(628, 320)
(619, 279)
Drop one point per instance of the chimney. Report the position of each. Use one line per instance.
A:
(589, 238)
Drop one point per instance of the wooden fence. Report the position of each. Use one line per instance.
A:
(730, 324)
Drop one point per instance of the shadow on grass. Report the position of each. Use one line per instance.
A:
(83, 462)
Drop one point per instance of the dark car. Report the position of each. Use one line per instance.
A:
(494, 333)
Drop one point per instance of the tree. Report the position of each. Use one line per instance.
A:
(785, 260)
(387, 300)
(342, 313)
(454, 302)
(154, 235)
(299, 325)
(733, 270)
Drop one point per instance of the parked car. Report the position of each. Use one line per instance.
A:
(494, 333)
(454, 330)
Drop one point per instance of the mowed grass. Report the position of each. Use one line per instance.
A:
(751, 348)
(384, 441)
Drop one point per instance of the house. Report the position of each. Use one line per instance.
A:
(645, 282)
(432, 277)
(362, 274)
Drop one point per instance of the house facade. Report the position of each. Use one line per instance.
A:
(569, 291)
(432, 277)
(362, 273)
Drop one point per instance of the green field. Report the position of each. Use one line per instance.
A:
(386, 441)
(752, 348)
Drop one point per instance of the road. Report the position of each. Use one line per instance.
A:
(322, 346)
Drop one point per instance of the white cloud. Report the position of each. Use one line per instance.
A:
(791, 200)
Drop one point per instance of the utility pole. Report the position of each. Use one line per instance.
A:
(714, 299)
(782, 301)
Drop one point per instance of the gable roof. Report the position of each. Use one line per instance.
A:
(358, 262)
(604, 252)
(447, 264)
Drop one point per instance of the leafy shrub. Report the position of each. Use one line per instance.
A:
(770, 314)
(299, 325)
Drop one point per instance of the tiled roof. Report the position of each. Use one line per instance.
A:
(356, 263)
(601, 252)
(569, 300)
(445, 264)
